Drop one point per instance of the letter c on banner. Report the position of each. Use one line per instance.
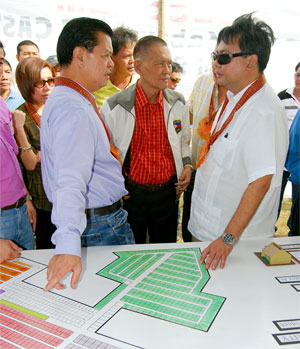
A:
(48, 25)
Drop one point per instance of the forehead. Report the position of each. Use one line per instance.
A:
(176, 74)
(158, 51)
(29, 48)
(231, 46)
(6, 66)
(1, 53)
(46, 72)
(104, 42)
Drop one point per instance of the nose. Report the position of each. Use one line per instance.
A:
(131, 59)
(110, 62)
(47, 87)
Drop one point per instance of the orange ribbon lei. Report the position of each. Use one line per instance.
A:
(33, 113)
(207, 124)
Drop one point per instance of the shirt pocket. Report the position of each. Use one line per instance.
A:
(224, 152)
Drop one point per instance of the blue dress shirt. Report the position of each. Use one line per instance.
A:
(78, 169)
(14, 100)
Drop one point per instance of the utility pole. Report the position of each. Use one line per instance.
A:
(161, 18)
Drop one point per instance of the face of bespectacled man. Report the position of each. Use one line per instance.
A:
(175, 79)
(231, 72)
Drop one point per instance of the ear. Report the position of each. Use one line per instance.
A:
(79, 54)
(252, 62)
(18, 57)
(138, 66)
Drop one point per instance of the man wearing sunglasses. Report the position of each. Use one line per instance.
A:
(175, 76)
(237, 184)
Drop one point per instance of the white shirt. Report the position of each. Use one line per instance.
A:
(198, 103)
(253, 145)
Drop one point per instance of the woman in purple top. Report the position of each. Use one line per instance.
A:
(14, 221)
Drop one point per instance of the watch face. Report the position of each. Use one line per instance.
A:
(228, 239)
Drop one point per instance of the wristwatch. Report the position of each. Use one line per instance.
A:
(28, 198)
(228, 239)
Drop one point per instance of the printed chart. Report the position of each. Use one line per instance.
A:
(150, 296)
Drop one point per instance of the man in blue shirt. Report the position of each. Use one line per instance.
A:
(80, 168)
(293, 166)
(12, 97)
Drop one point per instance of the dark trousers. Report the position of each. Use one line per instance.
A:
(187, 200)
(152, 211)
(44, 229)
(293, 222)
(284, 181)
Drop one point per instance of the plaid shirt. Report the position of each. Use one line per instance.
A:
(33, 178)
(151, 158)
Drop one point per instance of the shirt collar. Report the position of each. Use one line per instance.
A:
(235, 98)
(143, 100)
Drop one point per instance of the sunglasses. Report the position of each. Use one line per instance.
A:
(42, 83)
(225, 58)
(175, 80)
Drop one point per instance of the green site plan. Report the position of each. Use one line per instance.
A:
(165, 284)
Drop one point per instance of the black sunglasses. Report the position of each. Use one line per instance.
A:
(225, 58)
(42, 83)
(175, 80)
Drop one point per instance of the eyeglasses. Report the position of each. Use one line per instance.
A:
(225, 58)
(175, 80)
(42, 83)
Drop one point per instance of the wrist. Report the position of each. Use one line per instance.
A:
(229, 239)
(28, 198)
(188, 166)
(25, 148)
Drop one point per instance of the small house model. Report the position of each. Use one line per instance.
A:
(274, 254)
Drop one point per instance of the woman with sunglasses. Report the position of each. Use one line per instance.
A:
(35, 80)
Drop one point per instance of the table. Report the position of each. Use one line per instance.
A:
(154, 296)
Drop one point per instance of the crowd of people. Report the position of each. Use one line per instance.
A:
(97, 145)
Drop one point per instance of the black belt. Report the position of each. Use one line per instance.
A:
(17, 204)
(103, 211)
(152, 187)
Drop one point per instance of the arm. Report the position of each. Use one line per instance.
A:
(30, 209)
(218, 250)
(186, 174)
(9, 250)
(27, 155)
(68, 147)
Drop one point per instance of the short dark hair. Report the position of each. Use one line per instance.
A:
(26, 42)
(145, 42)
(1, 46)
(121, 36)
(253, 36)
(28, 73)
(79, 32)
(176, 68)
(5, 61)
(297, 66)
